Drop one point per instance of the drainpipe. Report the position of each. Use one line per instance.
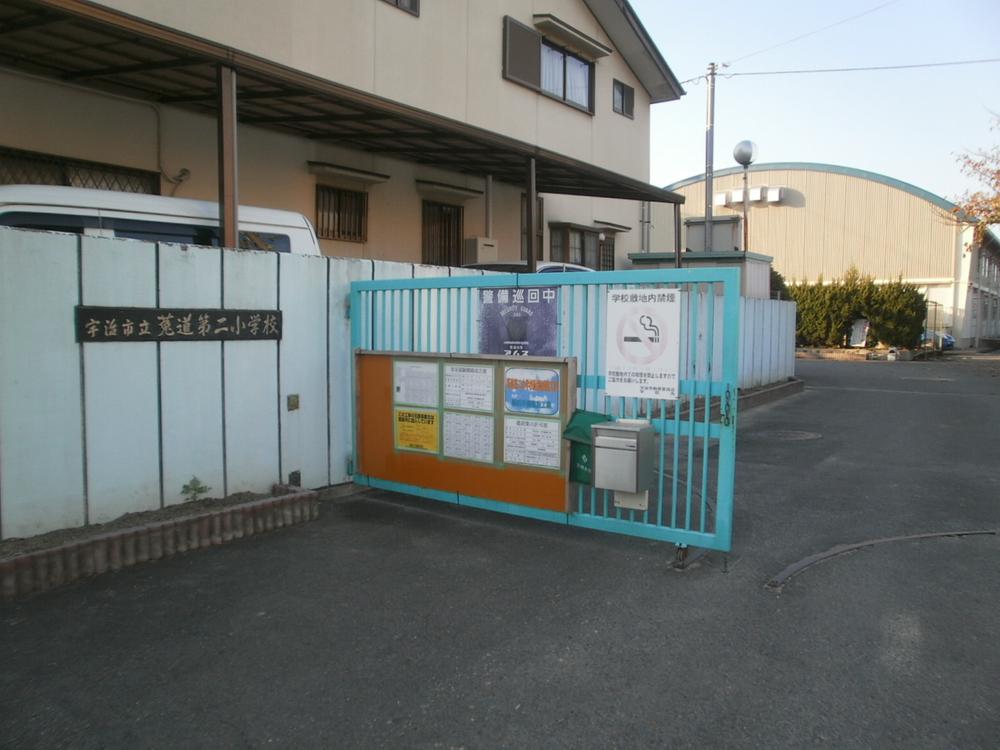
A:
(979, 294)
(533, 252)
(645, 209)
(183, 174)
(489, 205)
(677, 235)
(956, 282)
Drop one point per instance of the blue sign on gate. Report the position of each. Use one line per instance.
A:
(531, 390)
(518, 321)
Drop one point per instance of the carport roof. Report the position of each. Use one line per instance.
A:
(88, 44)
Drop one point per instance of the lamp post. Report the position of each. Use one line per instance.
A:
(744, 153)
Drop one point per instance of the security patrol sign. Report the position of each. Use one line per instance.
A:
(642, 348)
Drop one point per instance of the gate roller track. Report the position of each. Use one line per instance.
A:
(778, 581)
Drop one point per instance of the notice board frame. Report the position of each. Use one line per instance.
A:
(519, 488)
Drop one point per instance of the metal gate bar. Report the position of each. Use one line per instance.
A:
(692, 498)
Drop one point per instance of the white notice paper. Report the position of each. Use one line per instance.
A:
(642, 348)
(533, 442)
(468, 436)
(468, 387)
(415, 383)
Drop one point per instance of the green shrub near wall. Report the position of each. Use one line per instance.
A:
(898, 314)
(826, 312)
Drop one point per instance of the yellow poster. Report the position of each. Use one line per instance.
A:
(417, 430)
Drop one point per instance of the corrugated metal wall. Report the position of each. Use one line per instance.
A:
(828, 222)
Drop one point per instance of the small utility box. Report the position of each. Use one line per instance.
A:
(623, 456)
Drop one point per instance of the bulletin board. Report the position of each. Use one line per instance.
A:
(483, 426)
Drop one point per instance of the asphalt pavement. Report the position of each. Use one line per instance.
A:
(399, 622)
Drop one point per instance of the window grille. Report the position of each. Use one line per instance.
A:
(19, 167)
(607, 254)
(341, 214)
(442, 230)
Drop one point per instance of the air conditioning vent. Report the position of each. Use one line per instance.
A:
(479, 250)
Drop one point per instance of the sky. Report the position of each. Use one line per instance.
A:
(910, 125)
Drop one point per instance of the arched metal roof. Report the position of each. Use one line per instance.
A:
(805, 166)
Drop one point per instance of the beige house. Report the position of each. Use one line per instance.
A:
(404, 130)
(818, 220)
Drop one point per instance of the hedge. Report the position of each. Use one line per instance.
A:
(826, 312)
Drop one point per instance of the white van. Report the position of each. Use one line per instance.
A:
(105, 213)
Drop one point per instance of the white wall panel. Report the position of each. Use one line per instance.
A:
(720, 344)
(303, 354)
(191, 375)
(233, 442)
(342, 272)
(250, 281)
(41, 440)
(120, 384)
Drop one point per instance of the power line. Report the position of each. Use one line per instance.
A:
(854, 70)
(796, 38)
(849, 70)
(811, 33)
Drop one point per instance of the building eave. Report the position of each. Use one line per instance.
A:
(638, 49)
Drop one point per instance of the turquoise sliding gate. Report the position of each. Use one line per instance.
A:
(691, 500)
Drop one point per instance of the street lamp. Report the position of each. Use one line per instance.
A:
(744, 153)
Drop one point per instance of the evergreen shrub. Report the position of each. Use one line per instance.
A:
(826, 312)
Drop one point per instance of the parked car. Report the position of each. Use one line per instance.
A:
(107, 213)
(521, 266)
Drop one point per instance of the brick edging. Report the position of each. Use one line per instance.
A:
(45, 569)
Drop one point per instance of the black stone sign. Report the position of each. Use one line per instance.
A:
(100, 324)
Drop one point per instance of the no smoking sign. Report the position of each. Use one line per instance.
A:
(642, 349)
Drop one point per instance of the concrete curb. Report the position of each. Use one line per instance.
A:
(771, 393)
(46, 569)
(855, 355)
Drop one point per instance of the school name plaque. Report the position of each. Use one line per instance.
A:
(104, 324)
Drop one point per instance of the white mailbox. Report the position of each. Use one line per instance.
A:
(623, 455)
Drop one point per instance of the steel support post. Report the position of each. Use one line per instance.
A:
(228, 167)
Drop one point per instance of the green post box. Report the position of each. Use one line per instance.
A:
(581, 456)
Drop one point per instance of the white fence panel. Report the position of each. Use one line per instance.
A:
(303, 358)
(191, 375)
(90, 432)
(342, 272)
(120, 384)
(253, 463)
(41, 428)
(767, 342)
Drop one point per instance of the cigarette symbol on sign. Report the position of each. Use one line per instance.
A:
(640, 338)
(647, 325)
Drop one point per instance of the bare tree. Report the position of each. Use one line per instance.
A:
(981, 208)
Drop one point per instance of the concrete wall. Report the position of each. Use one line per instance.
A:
(89, 432)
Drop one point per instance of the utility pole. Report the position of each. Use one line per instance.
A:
(709, 151)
